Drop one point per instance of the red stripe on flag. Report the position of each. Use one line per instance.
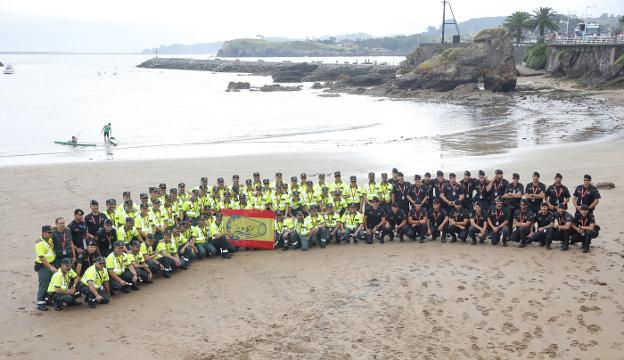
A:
(266, 214)
(267, 245)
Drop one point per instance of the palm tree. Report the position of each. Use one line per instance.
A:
(517, 23)
(543, 19)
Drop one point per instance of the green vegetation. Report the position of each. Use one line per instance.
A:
(543, 19)
(535, 57)
(620, 60)
(518, 23)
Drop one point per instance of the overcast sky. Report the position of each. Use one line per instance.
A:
(132, 25)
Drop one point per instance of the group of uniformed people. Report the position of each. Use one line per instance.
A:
(128, 244)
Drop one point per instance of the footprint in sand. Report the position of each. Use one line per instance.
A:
(509, 328)
(529, 316)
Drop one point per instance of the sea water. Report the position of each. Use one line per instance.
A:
(158, 114)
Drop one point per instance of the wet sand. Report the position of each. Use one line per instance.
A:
(384, 301)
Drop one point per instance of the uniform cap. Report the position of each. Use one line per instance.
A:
(135, 242)
(266, 181)
(278, 174)
(279, 213)
(118, 243)
(162, 186)
(100, 260)
(303, 175)
(309, 182)
(371, 174)
(498, 172)
(126, 193)
(515, 176)
(321, 176)
(584, 207)
(66, 261)
(384, 175)
(248, 181)
(47, 228)
(203, 179)
(524, 201)
(457, 202)
(256, 174)
(181, 184)
(337, 173)
(353, 178)
(91, 243)
(235, 176)
(129, 220)
(110, 202)
(144, 206)
(143, 196)
(452, 175)
(128, 203)
(108, 222)
(157, 202)
(416, 177)
(329, 206)
(220, 179)
(295, 192)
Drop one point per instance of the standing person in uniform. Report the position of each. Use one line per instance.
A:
(62, 242)
(107, 130)
(371, 190)
(557, 193)
(95, 284)
(483, 189)
(111, 212)
(450, 192)
(535, 193)
(478, 224)
(522, 223)
(44, 257)
(385, 193)
(586, 194)
(469, 184)
(353, 194)
(458, 221)
(585, 228)
(437, 187)
(497, 187)
(94, 220)
(418, 193)
(562, 227)
(513, 193)
(396, 223)
(400, 191)
(418, 223)
(437, 221)
(498, 221)
(544, 223)
(106, 237)
(374, 221)
(62, 290)
(79, 231)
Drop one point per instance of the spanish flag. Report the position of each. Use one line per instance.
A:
(250, 228)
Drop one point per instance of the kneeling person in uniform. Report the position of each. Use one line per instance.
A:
(562, 227)
(544, 221)
(143, 271)
(374, 220)
(62, 290)
(478, 224)
(120, 270)
(396, 222)
(522, 222)
(498, 221)
(95, 283)
(458, 222)
(585, 228)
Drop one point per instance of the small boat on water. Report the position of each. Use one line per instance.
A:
(73, 144)
(8, 70)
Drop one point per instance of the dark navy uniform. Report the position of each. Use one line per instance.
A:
(470, 191)
(586, 196)
(436, 218)
(557, 195)
(514, 203)
(540, 188)
(393, 221)
(545, 230)
(520, 233)
(414, 230)
(498, 189)
(458, 216)
(561, 219)
(482, 195)
(480, 219)
(400, 192)
(452, 192)
(584, 236)
(498, 217)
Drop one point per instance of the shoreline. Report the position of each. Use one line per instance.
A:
(248, 307)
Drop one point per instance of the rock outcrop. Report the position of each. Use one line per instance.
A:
(233, 85)
(489, 59)
(277, 87)
(1, 64)
(592, 64)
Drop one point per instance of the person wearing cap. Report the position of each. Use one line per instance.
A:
(62, 242)
(163, 191)
(458, 221)
(584, 228)
(544, 226)
(282, 228)
(418, 193)
(44, 257)
(144, 223)
(127, 211)
(182, 194)
(438, 219)
(191, 208)
(243, 204)
(299, 232)
(498, 221)
(469, 184)
(586, 194)
(249, 190)
(87, 258)
(395, 175)
(143, 199)
(158, 219)
(148, 251)
(450, 192)
(228, 202)
(370, 191)
(62, 290)
(333, 223)
(220, 189)
(111, 211)
(374, 221)
(483, 188)
(279, 180)
(396, 223)
(184, 246)
(201, 238)
(128, 232)
(478, 224)
(562, 227)
(317, 232)
(535, 192)
(523, 219)
(106, 237)
(353, 223)
(267, 191)
(78, 230)
(309, 196)
(513, 193)
(353, 194)
(385, 192)
(400, 191)
(437, 187)
(279, 200)
(323, 198)
(154, 193)
(294, 185)
(95, 283)
(338, 184)
(220, 239)
(318, 187)
(497, 186)
(295, 204)
(557, 193)
(259, 201)
(168, 253)
(143, 271)
(256, 179)
(120, 270)
(94, 220)
(235, 181)
(339, 203)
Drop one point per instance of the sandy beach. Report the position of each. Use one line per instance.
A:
(381, 301)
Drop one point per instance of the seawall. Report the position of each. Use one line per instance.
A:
(592, 64)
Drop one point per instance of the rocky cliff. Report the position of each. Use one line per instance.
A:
(489, 59)
(591, 64)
